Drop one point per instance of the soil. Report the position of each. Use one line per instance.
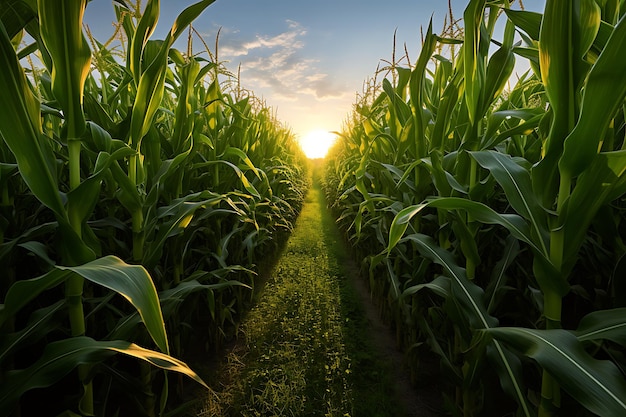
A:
(418, 401)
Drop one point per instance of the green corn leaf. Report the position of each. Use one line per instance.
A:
(401, 223)
(24, 291)
(443, 180)
(20, 128)
(470, 297)
(167, 169)
(240, 174)
(602, 182)
(530, 121)
(547, 276)
(556, 56)
(555, 51)
(61, 30)
(402, 110)
(498, 275)
(416, 89)
(243, 157)
(444, 119)
(145, 28)
(439, 285)
(185, 18)
(597, 385)
(531, 54)
(39, 325)
(603, 324)
(151, 80)
(529, 22)
(132, 282)
(171, 300)
(589, 18)
(128, 194)
(495, 119)
(480, 212)
(174, 218)
(516, 183)
(183, 127)
(84, 198)
(38, 249)
(497, 74)
(148, 99)
(604, 93)
(467, 240)
(59, 358)
(15, 15)
(473, 65)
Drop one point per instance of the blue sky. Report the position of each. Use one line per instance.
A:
(306, 59)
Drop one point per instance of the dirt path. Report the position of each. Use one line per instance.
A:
(314, 344)
(422, 400)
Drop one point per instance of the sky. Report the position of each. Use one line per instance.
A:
(306, 59)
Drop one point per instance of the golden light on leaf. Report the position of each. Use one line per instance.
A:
(316, 143)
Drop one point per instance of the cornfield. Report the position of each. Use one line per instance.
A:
(490, 219)
(141, 188)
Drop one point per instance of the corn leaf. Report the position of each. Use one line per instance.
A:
(172, 220)
(20, 128)
(142, 33)
(497, 74)
(498, 275)
(601, 183)
(59, 358)
(39, 324)
(24, 291)
(15, 15)
(480, 212)
(469, 295)
(556, 52)
(439, 285)
(604, 93)
(151, 80)
(597, 385)
(603, 324)
(416, 87)
(61, 30)
(529, 22)
(470, 298)
(84, 198)
(132, 282)
(517, 185)
(170, 301)
(473, 64)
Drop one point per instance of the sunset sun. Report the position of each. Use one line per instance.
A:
(316, 143)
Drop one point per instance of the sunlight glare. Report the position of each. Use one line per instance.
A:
(316, 143)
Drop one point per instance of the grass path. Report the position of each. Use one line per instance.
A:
(305, 349)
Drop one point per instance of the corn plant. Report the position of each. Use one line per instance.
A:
(490, 233)
(126, 169)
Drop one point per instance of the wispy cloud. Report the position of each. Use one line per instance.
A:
(275, 65)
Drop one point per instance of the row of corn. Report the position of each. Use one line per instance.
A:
(491, 217)
(140, 188)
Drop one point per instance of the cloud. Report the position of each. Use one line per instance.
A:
(234, 47)
(275, 66)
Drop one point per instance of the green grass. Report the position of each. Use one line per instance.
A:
(306, 349)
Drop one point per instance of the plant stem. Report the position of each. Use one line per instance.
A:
(137, 215)
(552, 304)
(74, 285)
